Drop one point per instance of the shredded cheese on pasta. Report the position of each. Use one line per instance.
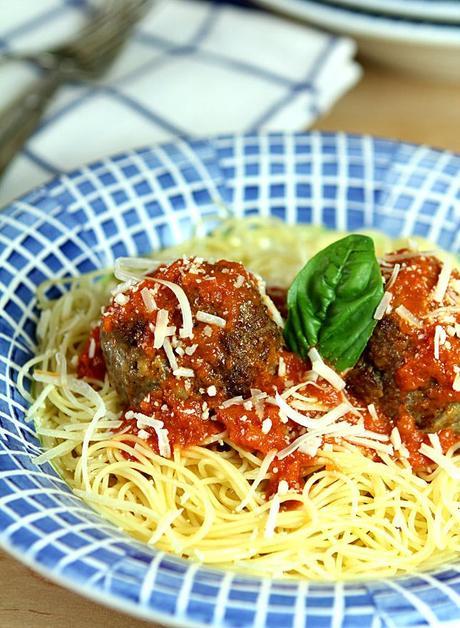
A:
(355, 516)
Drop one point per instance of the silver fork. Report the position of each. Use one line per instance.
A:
(86, 57)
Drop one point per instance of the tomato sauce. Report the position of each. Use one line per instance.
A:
(414, 289)
(193, 413)
(91, 364)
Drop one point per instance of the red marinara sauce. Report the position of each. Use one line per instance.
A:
(430, 363)
(91, 363)
(414, 289)
(196, 408)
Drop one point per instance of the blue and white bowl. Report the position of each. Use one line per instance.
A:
(145, 199)
(412, 43)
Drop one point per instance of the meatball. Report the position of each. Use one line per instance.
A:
(373, 377)
(410, 363)
(145, 341)
(130, 370)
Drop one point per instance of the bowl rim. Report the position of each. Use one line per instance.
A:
(369, 25)
(439, 11)
(106, 598)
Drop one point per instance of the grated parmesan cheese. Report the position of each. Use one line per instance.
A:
(232, 402)
(395, 438)
(191, 350)
(266, 426)
(443, 461)
(321, 368)
(271, 307)
(239, 281)
(144, 420)
(283, 487)
(370, 444)
(373, 411)
(170, 354)
(212, 391)
(443, 281)
(394, 275)
(435, 442)
(281, 367)
(92, 349)
(121, 299)
(183, 372)
(383, 305)
(186, 330)
(160, 328)
(310, 446)
(204, 317)
(148, 299)
(440, 337)
(404, 452)
(121, 287)
(407, 316)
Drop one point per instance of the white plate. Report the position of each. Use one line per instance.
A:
(426, 49)
(435, 10)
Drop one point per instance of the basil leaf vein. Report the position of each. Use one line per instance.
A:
(332, 300)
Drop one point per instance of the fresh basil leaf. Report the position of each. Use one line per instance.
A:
(332, 300)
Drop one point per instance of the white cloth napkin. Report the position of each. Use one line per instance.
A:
(191, 68)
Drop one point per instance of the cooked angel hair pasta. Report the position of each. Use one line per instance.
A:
(354, 516)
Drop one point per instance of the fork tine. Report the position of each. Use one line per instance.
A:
(96, 22)
(99, 45)
(122, 12)
(100, 17)
(107, 29)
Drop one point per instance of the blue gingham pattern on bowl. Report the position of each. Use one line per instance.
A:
(138, 201)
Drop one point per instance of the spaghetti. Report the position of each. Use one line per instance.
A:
(360, 509)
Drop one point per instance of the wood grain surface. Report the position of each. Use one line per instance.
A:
(384, 103)
(398, 106)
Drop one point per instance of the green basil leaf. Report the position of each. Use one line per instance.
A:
(332, 300)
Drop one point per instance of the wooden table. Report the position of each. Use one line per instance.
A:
(398, 106)
(384, 104)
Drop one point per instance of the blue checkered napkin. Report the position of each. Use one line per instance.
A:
(192, 68)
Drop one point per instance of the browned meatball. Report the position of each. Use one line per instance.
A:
(234, 334)
(130, 370)
(410, 363)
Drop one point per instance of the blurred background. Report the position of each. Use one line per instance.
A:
(151, 70)
(81, 79)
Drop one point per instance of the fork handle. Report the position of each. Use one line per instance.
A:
(20, 118)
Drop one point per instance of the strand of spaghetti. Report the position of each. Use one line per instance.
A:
(260, 477)
(378, 516)
(38, 403)
(25, 370)
(86, 391)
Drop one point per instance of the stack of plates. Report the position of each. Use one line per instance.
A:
(420, 36)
